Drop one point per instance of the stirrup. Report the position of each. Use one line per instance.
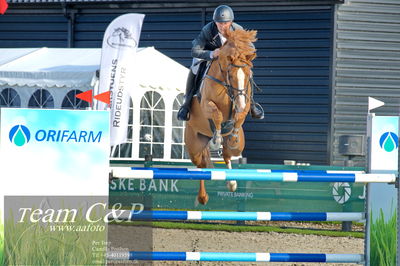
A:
(256, 107)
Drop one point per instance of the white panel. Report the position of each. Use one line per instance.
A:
(193, 256)
(194, 215)
(263, 216)
(262, 257)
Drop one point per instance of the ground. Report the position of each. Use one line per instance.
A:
(134, 238)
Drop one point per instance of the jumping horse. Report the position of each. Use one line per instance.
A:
(217, 117)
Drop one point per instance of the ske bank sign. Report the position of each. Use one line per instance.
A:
(21, 135)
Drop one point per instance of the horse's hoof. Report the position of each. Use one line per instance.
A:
(232, 185)
(203, 199)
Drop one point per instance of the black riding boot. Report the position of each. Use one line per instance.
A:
(183, 113)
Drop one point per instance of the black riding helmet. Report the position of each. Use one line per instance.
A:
(223, 13)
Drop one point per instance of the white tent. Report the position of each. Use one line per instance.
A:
(58, 71)
(50, 67)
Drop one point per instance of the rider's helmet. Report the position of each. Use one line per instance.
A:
(223, 13)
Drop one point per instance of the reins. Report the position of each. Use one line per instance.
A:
(229, 88)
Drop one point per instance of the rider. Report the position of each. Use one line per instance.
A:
(206, 47)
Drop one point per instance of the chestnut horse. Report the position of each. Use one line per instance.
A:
(225, 101)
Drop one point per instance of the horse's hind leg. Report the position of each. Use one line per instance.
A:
(231, 184)
(202, 196)
(198, 151)
(227, 153)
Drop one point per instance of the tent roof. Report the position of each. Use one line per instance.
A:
(159, 71)
(11, 54)
(75, 67)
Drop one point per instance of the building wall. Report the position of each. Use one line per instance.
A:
(293, 67)
(367, 44)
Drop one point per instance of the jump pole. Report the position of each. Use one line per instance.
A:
(252, 175)
(235, 256)
(239, 216)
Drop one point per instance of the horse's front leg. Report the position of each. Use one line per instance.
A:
(216, 116)
(234, 137)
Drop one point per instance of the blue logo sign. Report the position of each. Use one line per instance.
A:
(389, 141)
(19, 135)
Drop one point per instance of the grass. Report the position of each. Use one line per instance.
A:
(242, 228)
(38, 244)
(383, 240)
(1, 242)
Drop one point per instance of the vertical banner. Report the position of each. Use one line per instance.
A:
(46, 153)
(120, 41)
(382, 199)
(384, 144)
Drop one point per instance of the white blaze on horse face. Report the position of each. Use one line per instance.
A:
(241, 99)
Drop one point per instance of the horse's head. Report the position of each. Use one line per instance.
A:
(235, 59)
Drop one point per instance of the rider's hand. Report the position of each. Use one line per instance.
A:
(216, 53)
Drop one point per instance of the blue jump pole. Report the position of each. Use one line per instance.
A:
(235, 256)
(240, 216)
(253, 175)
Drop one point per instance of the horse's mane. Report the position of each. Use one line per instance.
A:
(239, 44)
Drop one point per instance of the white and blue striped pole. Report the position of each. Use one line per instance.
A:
(253, 175)
(241, 216)
(235, 256)
(246, 170)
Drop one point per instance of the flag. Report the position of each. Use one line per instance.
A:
(3, 6)
(118, 53)
(374, 103)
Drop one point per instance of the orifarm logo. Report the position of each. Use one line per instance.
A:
(21, 135)
(389, 141)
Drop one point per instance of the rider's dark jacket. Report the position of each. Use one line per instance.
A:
(208, 40)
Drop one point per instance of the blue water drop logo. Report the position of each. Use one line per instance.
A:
(389, 141)
(19, 135)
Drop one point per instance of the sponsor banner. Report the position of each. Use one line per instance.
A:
(384, 143)
(117, 71)
(56, 152)
(50, 152)
(382, 199)
(250, 195)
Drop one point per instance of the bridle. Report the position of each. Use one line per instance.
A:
(228, 84)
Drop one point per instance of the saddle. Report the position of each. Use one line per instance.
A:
(204, 66)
